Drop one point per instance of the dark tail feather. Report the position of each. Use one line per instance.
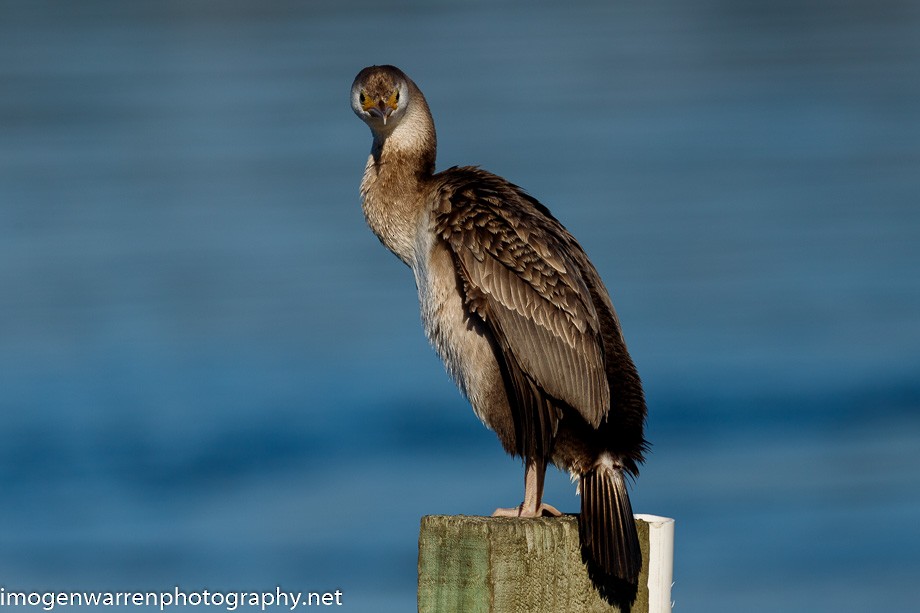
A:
(609, 541)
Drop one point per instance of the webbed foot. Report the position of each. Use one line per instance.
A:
(544, 510)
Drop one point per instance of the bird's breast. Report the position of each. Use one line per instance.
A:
(462, 343)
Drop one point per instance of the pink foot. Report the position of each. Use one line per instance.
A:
(545, 510)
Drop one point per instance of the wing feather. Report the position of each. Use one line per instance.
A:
(522, 280)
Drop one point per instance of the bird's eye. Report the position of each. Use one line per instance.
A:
(362, 98)
(396, 95)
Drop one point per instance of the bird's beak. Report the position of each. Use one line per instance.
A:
(382, 110)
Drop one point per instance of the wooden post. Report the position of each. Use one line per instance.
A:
(507, 565)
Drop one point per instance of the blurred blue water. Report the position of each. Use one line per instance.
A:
(212, 375)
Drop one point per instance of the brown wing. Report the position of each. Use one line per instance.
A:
(520, 279)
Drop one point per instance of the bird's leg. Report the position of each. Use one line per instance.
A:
(533, 494)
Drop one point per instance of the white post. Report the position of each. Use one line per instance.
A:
(660, 563)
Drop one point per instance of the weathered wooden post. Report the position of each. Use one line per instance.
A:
(474, 564)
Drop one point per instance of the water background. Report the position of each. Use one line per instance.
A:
(213, 376)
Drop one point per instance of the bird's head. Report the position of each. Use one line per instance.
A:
(379, 96)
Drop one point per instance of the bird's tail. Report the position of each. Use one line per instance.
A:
(609, 541)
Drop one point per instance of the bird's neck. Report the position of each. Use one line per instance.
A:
(396, 180)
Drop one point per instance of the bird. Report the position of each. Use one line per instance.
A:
(519, 316)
